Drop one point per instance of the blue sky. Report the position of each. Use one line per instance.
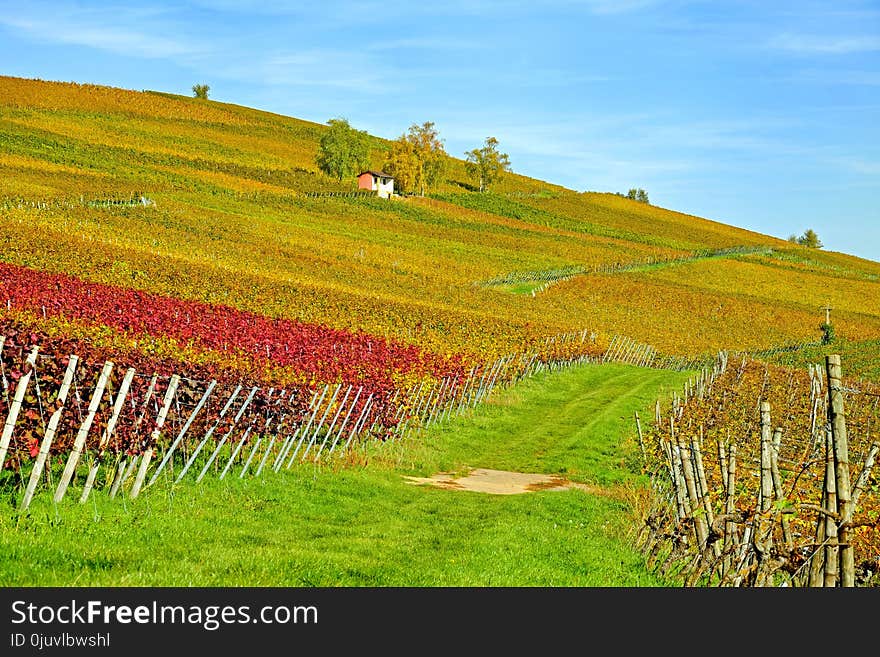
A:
(762, 114)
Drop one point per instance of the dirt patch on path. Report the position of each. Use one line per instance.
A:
(500, 482)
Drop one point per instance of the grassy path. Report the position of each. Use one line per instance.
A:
(526, 282)
(363, 525)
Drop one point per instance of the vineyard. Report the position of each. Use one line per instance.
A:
(765, 477)
(184, 296)
(67, 404)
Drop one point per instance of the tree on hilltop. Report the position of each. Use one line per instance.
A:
(417, 159)
(201, 91)
(639, 195)
(343, 151)
(486, 165)
(809, 239)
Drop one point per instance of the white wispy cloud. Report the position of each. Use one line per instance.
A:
(117, 40)
(846, 77)
(124, 30)
(860, 165)
(426, 43)
(824, 44)
(384, 10)
(617, 6)
(339, 69)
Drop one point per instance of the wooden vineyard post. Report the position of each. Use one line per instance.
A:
(126, 467)
(666, 446)
(275, 436)
(209, 433)
(80, 440)
(225, 437)
(763, 535)
(433, 403)
(700, 529)
(478, 394)
(125, 470)
(777, 487)
(108, 432)
(730, 537)
(251, 455)
(448, 399)
(147, 399)
(623, 355)
(50, 434)
(837, 418)
(411, 403)
(831, 547)
(345, 421)
(256, 446)
(360, 421)
(500, 365)
(244, 437)
(466, 391)
(477, 387)
(147, 456)
(4, 382)
(641, 439)
(182, 433)
(622, 352)
(817, 558)
(266, 424)
(15, 408)
(863, 477)
(321, 423)
(606, 355)
(396, 432)
(401, 408)
(117, 480)
(704, 489)
(416, 413)
(302, 434)
(445, 400)
(333, 423)
(290, 439)
(676, 473)
(450, 403)
(282, 451)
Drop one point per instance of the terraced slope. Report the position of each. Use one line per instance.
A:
(231, 222)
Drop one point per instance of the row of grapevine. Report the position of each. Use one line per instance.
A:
(550, 276)
(626, 350)
(764, 476)
(341, 194)
(122, 425)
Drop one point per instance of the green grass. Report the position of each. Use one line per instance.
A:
(363, 525)
(521, 288)
(860, 358)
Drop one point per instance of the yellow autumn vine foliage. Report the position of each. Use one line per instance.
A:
(233, 219)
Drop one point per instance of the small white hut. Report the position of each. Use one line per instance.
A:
(377, 181)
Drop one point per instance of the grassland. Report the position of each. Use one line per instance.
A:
(362, 524)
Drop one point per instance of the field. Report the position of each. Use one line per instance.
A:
(361, 524)
(231, 225)
(185, 249)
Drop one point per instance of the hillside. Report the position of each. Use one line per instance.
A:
(232, 223)
(184, 296)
